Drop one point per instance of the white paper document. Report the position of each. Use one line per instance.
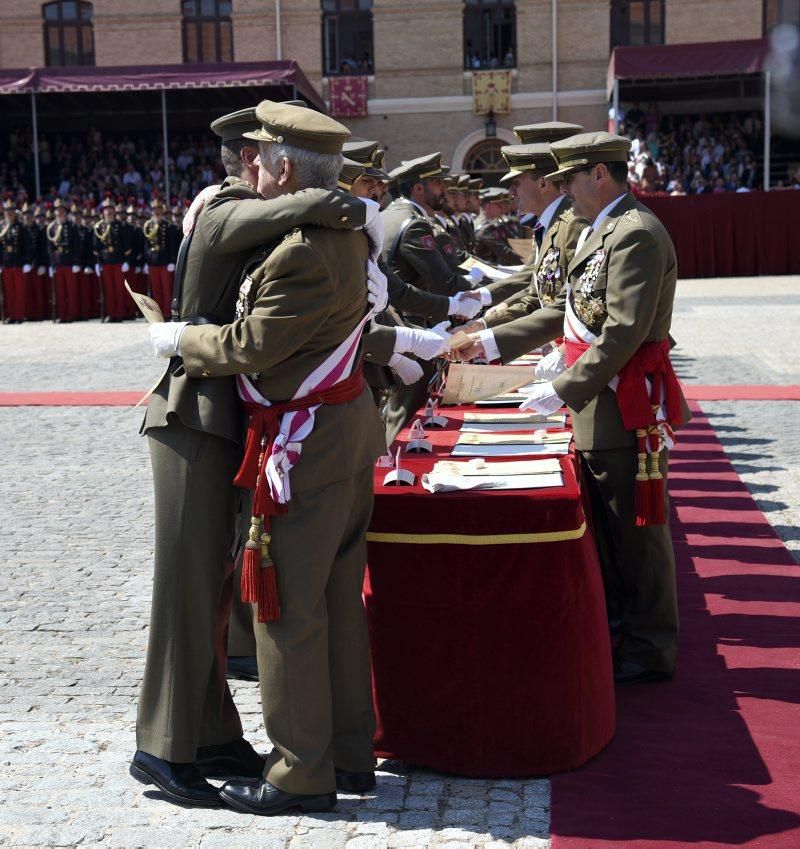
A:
(505, 427)
(538, 437)
(467, 382)
(516, 418)
(147, 306)
(531, 450)
(479, 467)
(435, 482)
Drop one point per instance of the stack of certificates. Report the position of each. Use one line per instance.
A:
(541, 441)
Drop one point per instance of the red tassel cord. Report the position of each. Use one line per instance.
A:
(642, 480)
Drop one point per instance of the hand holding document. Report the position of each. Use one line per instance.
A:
(147, 306)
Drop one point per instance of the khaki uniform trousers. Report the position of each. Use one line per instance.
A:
(314, 661)
(185, 701)
(404, 403)
(638, 564)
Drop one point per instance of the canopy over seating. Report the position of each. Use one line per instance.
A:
(160, 77)
(677, 61)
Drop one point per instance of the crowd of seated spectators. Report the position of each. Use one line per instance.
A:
(91, 165)
(693, 154)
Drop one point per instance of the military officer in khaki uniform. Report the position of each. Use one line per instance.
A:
(491, 235)
(388, 340)
(298, 304)
(411, 250)
(520, 324)
(187, 724)
(618, 308)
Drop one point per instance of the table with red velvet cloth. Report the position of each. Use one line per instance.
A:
(490, 646)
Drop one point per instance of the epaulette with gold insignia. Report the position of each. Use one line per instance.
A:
(632, 217)
(568, 214)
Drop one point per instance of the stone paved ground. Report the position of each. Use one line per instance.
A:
(75, 552)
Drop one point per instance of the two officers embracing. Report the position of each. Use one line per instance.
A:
(292, 353)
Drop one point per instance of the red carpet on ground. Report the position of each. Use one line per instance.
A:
(740, 392)
(710, 759)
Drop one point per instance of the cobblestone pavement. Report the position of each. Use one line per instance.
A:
(76, 550)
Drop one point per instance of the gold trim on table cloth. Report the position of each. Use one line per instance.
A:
(477, 539)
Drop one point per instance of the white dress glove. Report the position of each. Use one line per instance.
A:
(551, 366)
(51, 271)
(543, 399)
(88, 269)
(373, 227)
(98, 270)
(26, 268)
(425, 344)
(40, 270)
(166, 337)
(125, 267)
(377, 287)
(75, 269)
(464, 306)
(170, 266)
(475, 275)
(406, 369)
(486, 296)
(138, 269)
(145, 269)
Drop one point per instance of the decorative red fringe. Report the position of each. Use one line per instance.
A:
(269, 608)
(251, 566)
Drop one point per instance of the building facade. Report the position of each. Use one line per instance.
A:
(418, 56)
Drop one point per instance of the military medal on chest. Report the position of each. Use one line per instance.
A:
(243, 301)
(548, 277)
(587, 280)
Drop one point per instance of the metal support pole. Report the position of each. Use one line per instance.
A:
(35, 123)
(278, 46)
(554, 51)
(166, 145)
(615, 106)
(767, 128)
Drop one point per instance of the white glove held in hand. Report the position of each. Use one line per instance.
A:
(377, 287)
(170, 266)
(166, 337)
(125, 267)
(75, 269)
(407, 370)
(542, 400)
(26, 268)
(463, 306)
(426, 344)
(373, 227)
(486, 296)
(550, 366)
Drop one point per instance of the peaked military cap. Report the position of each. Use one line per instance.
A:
(475, 184)
(351, 171)
(298, 127)
(377, 158)
(9, 205)
(547, 131)
(526, 157)
(422, 168)
(235, 124)
(464, 182)
(577, 152)
(493, 194)
(360, 151)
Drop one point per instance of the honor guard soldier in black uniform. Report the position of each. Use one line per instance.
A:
(64, 244)
(112, 250)
(161, 252)
(16, 262)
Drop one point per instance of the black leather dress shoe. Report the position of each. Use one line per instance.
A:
(243, 668)
(630, 672)
(180, 783)
(230, 760)
(260, 797)
(354, 782)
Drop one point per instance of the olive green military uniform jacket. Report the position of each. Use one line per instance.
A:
(232, 224)
(527, 323)
(491, 242)
(622, 286)
(404, 298)
(417, 259)
(305, 298)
